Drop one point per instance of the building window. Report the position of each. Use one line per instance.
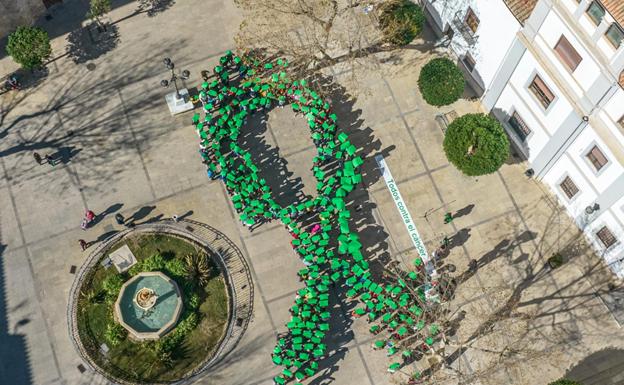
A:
(472, 21)
(615, 35)
(568, 187)
(541, 91)
(597, 158)
(606, 237)
(519, 126)
(567, 53)
(596, 12)
(469, 62)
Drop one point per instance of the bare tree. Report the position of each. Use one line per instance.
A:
(314, 34)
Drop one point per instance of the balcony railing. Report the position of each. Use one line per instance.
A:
(460, 26)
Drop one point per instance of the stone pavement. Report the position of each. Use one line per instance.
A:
(125, 153)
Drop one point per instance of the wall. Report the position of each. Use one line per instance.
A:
(14, 13)
(496, 31)
(560, 138)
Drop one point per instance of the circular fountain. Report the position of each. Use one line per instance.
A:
(149, 305)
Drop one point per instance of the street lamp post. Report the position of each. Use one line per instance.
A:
(174, 77)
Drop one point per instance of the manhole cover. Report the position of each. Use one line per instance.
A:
(90, 66)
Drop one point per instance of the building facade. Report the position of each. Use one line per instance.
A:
(554, 77)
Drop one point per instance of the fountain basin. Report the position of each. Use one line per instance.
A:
(149, 305)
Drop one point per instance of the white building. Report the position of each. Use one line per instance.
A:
(552, 71)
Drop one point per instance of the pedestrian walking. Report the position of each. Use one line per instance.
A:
(119, 219)
(89, 216)
(83, 244)
(175, 218)
(37, 157)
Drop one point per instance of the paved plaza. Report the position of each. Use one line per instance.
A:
(124, 153)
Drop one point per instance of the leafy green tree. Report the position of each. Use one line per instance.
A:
(29, 46)
(401, 21)
(97, 9)
(441, 82)
(476, 144)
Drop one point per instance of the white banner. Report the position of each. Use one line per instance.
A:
(400, 204)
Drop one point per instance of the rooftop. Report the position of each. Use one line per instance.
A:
(616, 9)
(522, 9)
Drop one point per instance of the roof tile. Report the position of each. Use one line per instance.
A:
(616, 9)
(522, 9)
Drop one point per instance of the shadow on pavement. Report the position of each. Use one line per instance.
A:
(14, 360)
(603, 367)
(84, 44)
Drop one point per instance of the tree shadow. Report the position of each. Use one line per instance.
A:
(538, 316)
(153, 7)
(88, 43)
(115, 126)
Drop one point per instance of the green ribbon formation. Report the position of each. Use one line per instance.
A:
(331, 252)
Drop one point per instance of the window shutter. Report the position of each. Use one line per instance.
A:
(567, 53)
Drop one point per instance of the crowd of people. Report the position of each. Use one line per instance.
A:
(320, 230)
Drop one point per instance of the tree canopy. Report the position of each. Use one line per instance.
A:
(476, 144)
(441, 82)
(29, 46)
(401, 21)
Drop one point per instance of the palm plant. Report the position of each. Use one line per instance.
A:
(198, 269)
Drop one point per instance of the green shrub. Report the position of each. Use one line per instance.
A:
(29, 46)
(193, 302)
(476, 144)
(401, 21)
(564, 381)
(176, 268)
(154, 263)
(112, 286)
(441, 82)
(186, 325)
(114, 334)
(165, 346)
